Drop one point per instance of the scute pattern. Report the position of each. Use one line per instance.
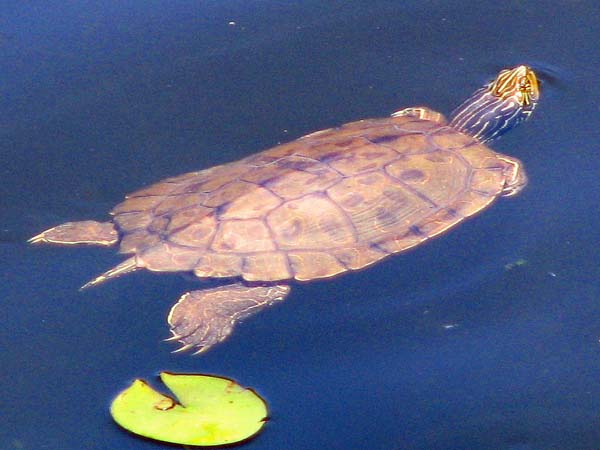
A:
(335, 200)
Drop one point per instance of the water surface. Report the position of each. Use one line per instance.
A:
(442, 347)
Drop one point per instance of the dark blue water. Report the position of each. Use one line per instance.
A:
(439, 348)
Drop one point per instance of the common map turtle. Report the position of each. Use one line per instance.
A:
(333, 201)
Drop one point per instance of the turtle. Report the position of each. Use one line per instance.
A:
(333, 201)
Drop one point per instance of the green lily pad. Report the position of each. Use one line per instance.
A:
(208, 410)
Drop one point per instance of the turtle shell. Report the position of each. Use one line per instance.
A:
(336, 200)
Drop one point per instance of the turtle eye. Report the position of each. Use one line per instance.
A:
(524, 84)
(524, 87)
(527, 91)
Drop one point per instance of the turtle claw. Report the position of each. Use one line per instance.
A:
(183, 348)
(186, 346)
(38, 238)
(200, 351)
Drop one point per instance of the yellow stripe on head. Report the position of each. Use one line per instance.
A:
(499, 106)
(520, 83)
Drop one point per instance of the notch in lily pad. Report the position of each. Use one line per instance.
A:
(206, 410)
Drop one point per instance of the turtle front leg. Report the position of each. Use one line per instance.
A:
(73, 233)
(516, 178)
(423, 113)
(201, 319)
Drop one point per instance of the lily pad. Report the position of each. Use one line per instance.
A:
(208, 410)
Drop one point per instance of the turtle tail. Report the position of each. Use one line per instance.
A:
(127, 266)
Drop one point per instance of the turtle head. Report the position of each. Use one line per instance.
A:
(498, 106)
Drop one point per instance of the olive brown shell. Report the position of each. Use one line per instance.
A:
(336, 200)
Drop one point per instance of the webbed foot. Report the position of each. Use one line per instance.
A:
(201, 319)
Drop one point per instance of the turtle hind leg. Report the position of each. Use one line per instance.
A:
(201, 319)
(74, 233)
